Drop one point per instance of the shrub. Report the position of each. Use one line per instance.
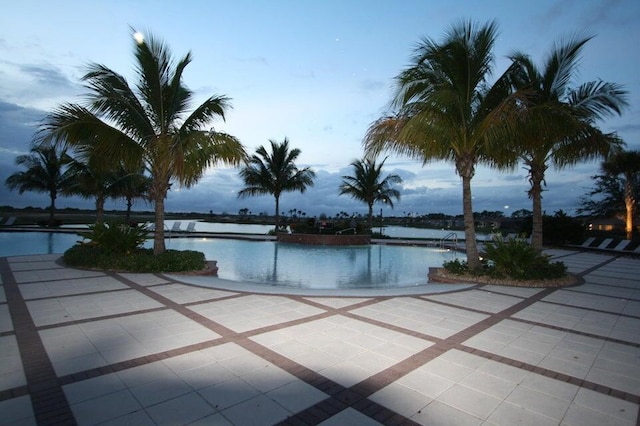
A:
(138, 260)
(116, 236)
(515, 258)
(512, 258)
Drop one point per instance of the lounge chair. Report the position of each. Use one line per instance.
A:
(622, 245)
(10, 221)
(604, 244)
(176, 227)
(191, 227)
(588, 242)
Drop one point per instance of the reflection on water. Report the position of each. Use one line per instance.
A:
(304, 266)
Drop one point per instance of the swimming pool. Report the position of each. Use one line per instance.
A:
(278, 264)
(318, 267)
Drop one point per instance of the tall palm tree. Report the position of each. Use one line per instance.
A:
(366, 185)
(445, 110)
(558, 127)
(627, 164)
(46, 171)
(274, 173)
(150, 123)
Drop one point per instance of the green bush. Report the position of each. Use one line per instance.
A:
(138, 260)
(511, 258)
(516, 258)
(116, 236)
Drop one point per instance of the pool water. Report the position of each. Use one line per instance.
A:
(28, 243)
(278, 264)
(318, 267)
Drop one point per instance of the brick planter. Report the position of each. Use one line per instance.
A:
(325, 239)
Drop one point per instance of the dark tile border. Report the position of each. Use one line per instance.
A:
(50, 405)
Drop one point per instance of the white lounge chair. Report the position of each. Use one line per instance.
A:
(10, 221)
(176, 227)
(621, 245)
(605, 243)
(191, 227)
(588, 242)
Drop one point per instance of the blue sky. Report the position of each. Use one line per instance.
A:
(316, 72)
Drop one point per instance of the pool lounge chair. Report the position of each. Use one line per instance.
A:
(10, 221)
(191, 227)
(176, 227)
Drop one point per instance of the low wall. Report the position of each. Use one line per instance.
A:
(325, 240)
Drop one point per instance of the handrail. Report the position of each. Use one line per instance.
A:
(450, 236)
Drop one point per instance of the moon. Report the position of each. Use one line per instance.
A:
(138, 37)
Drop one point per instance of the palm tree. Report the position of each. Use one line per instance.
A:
(148, 124)
(558, 126)
(274, 173)
(445, 110)
(46, 171)
(627, 164)
(366, 185)
(92, 181)
(131, 185)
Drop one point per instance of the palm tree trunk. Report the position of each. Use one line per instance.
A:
(629, 202)
(129, 205)
(100, 208)
(473, 258)
(52, 208)
(277, 215)
(535, 193)
(158, 235)
(371, 218)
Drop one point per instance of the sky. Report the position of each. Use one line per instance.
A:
(316, 72)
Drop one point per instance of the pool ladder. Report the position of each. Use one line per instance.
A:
(451, 236)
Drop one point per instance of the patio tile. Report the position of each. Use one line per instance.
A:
(507, 414)
(440, 414)
(6, 324)
(182, 410)
(11, 370)
(181, 293)
(342, 361)
(104, 408)
(70, 287)
(421, 316)
(251, 312)
(256, 411)
(54, 311)
(296, 396)
(337, 302)
(79, 350)
(401, 399)
(477, 299)
(229, 393)
(592, 409)
(144, 279)
(17, 411)
(137, 418)
(349, 417)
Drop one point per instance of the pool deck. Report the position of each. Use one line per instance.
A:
(87, 347)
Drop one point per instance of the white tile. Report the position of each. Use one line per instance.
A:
(182, 410)
(256, 411)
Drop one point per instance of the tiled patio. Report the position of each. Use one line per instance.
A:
(83, 347)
